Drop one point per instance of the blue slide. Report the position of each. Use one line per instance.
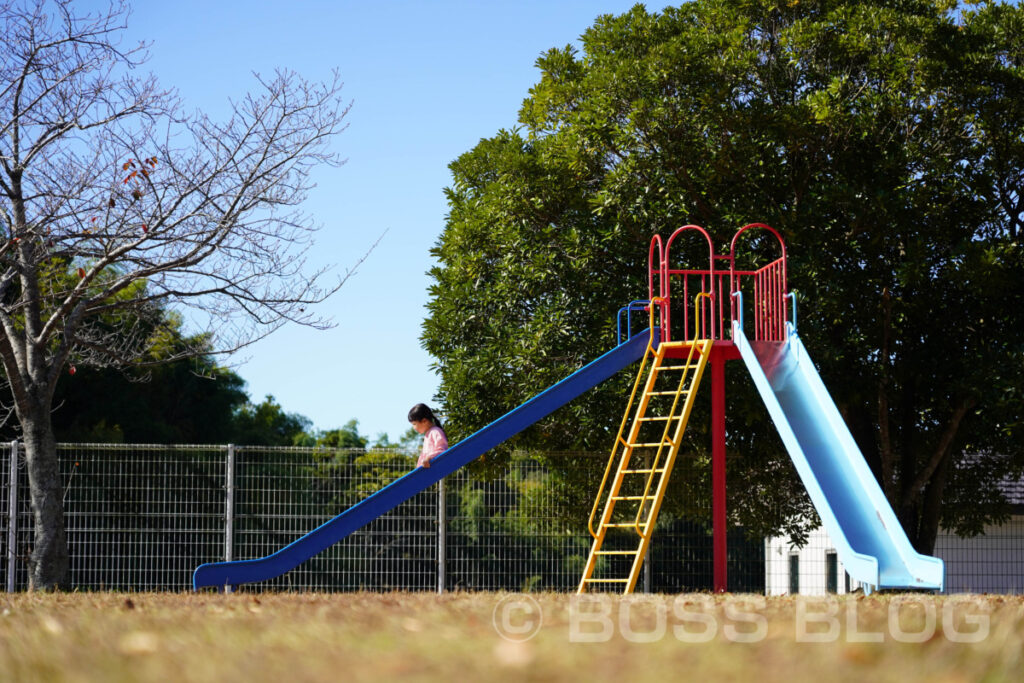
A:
(856, 514)
(222, 574)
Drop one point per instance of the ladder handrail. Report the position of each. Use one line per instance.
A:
(672, 411)
(625, 417)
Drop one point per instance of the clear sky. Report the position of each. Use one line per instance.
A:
(428, 80)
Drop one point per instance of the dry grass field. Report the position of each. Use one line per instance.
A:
(255, 637)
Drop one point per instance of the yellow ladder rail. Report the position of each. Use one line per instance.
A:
(625, 417)
(655, 475)
(663, 460)
(676, 439)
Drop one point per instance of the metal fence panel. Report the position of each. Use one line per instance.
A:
(990, 563)
(143, 517)
(138, 517)
(6, 552)
(283, 493)
(514, 532)
(527, 530)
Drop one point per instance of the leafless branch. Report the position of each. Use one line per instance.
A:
(116, 205)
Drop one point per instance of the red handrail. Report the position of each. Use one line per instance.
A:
(769, 285)
(707, 283)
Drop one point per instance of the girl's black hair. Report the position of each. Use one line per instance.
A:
(421, 411)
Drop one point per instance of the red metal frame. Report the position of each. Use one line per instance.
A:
(768, 298)
(707, 286)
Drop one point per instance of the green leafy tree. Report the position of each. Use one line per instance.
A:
(267, 424)
(411, 441)
(885, 140)
(163, 396)
(150, 206)
(190, 401)
(406, 441)
(347, 437)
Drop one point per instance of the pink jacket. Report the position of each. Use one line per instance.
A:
(434, 443)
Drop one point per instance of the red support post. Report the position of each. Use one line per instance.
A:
(718, 360)
(766, 288)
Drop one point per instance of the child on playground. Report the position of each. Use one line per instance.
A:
(435, 441)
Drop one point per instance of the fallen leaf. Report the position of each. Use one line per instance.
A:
(513, 654)
(51, 625)
(139, 643)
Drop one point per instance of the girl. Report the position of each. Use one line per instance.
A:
(435, 441)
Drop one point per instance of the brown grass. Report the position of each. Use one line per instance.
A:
(417, 636)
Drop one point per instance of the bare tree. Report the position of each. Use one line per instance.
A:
(115, 204)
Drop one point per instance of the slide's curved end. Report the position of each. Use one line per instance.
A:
(210, 574)
(854, 511)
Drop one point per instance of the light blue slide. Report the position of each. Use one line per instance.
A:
(220, 574)
(856, 514)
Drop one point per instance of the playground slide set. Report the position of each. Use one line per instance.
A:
(868, 538)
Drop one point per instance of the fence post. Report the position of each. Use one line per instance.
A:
(12, 518)
(648, 559)
(229, 505)
(647, 567)
(442, 524)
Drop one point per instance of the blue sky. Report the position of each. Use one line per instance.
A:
(428, 80)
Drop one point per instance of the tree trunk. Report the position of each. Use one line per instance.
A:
(931, 512)
(908, 513)
(49, 564)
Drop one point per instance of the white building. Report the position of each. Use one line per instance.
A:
(992, 562)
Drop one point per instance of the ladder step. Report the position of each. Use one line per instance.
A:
(623, 525)
(617, 552)
(647, 471)
(660, 419)
(674, 367)
(666, 393)
(649, 445)
(632, 497)
(605, 580)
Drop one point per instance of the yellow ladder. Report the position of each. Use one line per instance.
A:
(656, 433)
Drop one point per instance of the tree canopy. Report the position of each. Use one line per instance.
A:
(189, 400)
(884, 139)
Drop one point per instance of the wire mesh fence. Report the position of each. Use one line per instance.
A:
(990, 563)
(137, 516)
(143, 517)
(282, 493)
(7, 513)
